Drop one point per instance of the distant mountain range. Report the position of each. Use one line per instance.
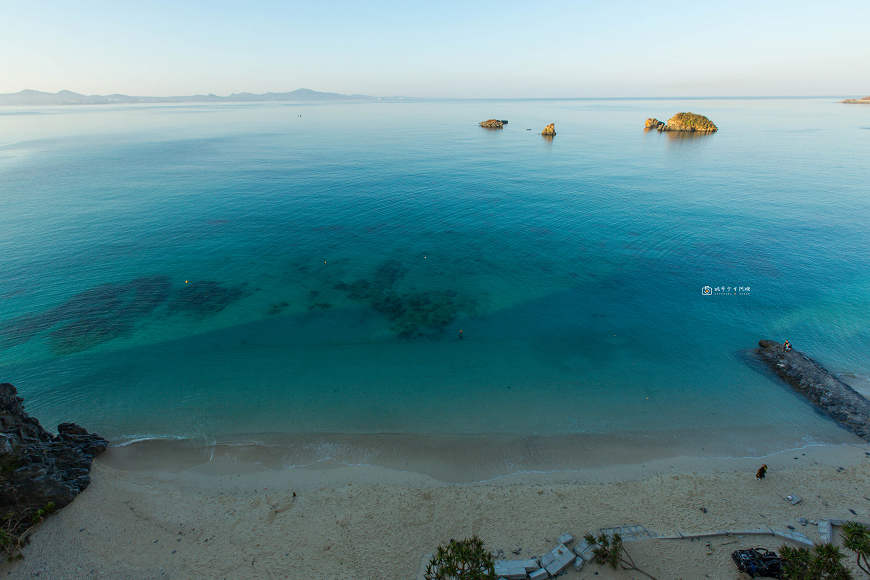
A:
(29, 97)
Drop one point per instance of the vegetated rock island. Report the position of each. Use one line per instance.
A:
(549, 130)
(36, 468)
(493, 123)
(865, 101)
(835, 398)
(684, 122)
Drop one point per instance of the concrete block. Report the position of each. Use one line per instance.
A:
(424, 562)
(531, 564)
(540, 574)
(794, 537)
(562, 558)
(516, 570)
(584, 550)
(564, 554)
(566, 538)
(578, 563)
(547, 559)
(511, 569)
(556, 567)
(825, 531)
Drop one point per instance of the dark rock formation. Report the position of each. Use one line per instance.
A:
(493, 124)
(684, 122)
(838, 400)
(35, 467)
(549, 130)
(865, 100)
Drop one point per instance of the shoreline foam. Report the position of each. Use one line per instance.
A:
(461, 458)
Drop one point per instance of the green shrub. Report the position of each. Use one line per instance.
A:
(463, 560)
(824, 562)
(857, 539)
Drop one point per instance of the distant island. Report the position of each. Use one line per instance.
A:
(684, 122)
(30, 97)
(865, 101)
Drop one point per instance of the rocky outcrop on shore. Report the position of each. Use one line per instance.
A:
(37, 468)
(865, 100)
(683, 122)
(549, 130)
(492, 124)
(835, 398)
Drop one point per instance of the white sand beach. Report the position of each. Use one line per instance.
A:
(152, 517)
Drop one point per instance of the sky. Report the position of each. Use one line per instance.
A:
(447, 49)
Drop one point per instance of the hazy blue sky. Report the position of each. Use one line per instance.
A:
(453, 48)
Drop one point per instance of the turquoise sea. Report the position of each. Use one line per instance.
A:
(296, 276)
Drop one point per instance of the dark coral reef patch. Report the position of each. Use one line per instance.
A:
(110, 311)
(413, 313)
(204, 298)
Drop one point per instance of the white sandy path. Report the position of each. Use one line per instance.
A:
(227, 520)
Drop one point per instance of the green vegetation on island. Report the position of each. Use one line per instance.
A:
(684, 122)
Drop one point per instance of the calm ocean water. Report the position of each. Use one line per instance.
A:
(266, 271)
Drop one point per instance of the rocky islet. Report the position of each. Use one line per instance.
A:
(683, 122)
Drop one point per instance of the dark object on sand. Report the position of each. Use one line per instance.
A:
(758, 562)
(762, 471)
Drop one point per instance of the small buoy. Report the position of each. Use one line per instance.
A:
(185, 281)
